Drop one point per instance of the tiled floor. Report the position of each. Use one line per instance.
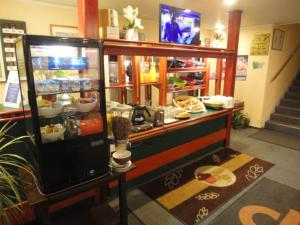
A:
(286, 171)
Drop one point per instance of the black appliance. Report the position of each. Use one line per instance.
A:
(138, 115)
(65, 92)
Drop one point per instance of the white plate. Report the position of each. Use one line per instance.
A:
(170, 120)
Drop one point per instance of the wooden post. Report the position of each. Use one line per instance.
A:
(136, 93)
(234, 23)
(88, 18)
(163, 80)
(218, 80)
(121, 79)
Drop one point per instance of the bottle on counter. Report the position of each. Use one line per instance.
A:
(152, 72)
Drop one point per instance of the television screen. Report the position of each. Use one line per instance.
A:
(179, 26)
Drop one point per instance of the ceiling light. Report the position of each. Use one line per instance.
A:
(229, 2)
(219, 26)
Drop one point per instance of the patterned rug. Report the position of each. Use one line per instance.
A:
(268, 202)
(191, 193)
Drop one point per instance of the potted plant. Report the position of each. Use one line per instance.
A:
(134, 23)
(10, 189)
(240, 120)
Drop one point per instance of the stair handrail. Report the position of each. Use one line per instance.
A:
(286, 62)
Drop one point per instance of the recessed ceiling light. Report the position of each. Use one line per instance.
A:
(229, 2)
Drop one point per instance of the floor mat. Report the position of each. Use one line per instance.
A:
(278, 138)
(267, 203)
(191, 193)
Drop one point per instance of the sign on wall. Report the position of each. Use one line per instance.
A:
(260, 44)
(12, 93)
(241, 67)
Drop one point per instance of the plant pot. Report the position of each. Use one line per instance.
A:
(131, 35)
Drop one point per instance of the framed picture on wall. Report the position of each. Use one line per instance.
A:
(64, 31)
(278, 39)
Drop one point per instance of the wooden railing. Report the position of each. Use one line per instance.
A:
(286, 62)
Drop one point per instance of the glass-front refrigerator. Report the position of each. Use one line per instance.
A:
(65, 92)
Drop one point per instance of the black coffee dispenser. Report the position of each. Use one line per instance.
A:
(138, 116)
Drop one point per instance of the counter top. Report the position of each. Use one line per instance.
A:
(194, 119)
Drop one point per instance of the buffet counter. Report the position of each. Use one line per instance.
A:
(165, 148)
(161, 149)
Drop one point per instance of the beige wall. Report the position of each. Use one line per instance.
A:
(38, 18)
(259, 94)
(252, 91)
(276, 89)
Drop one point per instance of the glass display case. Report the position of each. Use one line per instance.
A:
(67, 101)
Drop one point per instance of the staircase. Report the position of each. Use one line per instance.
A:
(286, 117)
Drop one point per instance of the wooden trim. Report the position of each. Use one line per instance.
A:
(29, 214)
(159, 44)
(158, 51)
(228, 129)
(151, 163)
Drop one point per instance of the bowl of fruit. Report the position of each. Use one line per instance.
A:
(86, 104)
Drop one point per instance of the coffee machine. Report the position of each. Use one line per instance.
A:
(138, 119)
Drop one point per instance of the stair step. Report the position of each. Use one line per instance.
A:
(294, 89)
(292, 95)
(290, 103)
(283, 127)
(292, 120)
(291, 111)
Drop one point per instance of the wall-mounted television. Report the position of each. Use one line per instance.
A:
(179, 26)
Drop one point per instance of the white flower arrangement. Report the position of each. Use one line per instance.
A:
(130, 15)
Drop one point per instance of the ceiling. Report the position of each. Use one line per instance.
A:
(255, 12)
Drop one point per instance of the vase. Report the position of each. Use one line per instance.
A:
(131, 35)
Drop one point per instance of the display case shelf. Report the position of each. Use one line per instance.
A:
(149, 83)
(119, 86)
(66, 92)
(186, 88)
(191, 69)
